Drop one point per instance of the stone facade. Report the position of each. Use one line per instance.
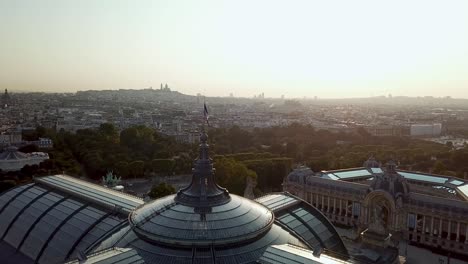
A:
(385, 202)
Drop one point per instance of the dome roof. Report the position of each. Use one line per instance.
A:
(202, 223)
(12, 153)
(391, 181)
(371, 163)
(166, 222)
(300, 175)
(202, 214)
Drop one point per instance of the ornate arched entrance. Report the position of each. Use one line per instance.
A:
(381, 216)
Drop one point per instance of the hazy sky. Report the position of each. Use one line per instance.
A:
(307, 48)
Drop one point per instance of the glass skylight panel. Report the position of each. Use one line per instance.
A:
(99, 230)
(376, 170)
(265, 199)
(94, 192)
(456, 182)
(282, 203)
(463, 189)
(352, 174)
(45, 227)
(331, 176)
(23, 222)
(423, 177)
(7, 196)
(13, 209)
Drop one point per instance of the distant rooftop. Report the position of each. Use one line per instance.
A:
(451, 184)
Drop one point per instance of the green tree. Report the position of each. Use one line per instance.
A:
(232, 175)
(162, 166)
(109, 132)
(439, 167)
(161, 190)
(122, 169)
(136, 169)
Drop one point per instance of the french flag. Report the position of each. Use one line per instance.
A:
(205, 113)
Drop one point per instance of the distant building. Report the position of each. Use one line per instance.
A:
(6, 100)
(426, 130)
(44, 143)
(423, 210)
(388, 130)
(12, 137)
(13, 160)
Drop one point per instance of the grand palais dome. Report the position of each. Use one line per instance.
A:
(59, 219)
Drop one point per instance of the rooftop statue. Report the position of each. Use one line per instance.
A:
(110, 180)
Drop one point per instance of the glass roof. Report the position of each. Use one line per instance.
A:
(11, 256)
(289, 254)
(331, 176)
(8, 196)
(244, 253)
(94, 192)
(456, 182)
(113, 256)
(352, 174)
(277, 202)
(423, 177)
(376, 170)
(164, 221)
(48, 227)
(306, 222)
(464, 190)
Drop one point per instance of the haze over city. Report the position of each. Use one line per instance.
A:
(327, 49)
(240, 132)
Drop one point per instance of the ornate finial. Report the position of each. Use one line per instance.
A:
(203, 190)
(203, 136)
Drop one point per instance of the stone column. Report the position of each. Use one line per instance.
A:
(449, 229)
(323, 202)
(366, 215)
(334, 206)
(432, 225)
(340, 207)
(466, 233)
(328, 204)
(458, 232)
(440, 228)
(415, 230)
(424, 225)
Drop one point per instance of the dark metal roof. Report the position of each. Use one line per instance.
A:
(243, 253)
(48, 226)
(306, 222)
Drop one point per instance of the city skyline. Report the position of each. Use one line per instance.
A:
(330, 50)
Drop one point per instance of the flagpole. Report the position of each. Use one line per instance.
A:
(204, 114)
